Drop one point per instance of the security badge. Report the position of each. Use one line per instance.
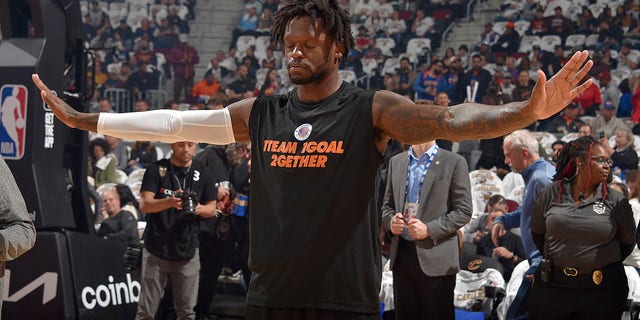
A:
(410, 211)
(597, 277)
(599, 207)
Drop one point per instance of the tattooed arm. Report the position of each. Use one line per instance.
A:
(64, 112)
(399, 118)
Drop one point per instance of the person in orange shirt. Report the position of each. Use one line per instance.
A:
(207, 87)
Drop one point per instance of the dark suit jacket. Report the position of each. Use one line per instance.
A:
(444, 206)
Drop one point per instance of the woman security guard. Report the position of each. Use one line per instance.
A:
(584, 231)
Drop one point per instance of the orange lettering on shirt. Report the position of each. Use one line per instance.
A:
(266, 145)
(274, 145)
(322, 161)
(304, 161)
(312, 160)
(322, 146)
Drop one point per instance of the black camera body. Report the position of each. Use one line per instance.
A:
(189, 203)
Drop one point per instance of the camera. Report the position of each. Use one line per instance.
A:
(189, 202)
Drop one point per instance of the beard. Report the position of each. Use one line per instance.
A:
(316, 76)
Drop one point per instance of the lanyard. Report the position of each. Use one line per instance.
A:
(181, 186)
(424, 173)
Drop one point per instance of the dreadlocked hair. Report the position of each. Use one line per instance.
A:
(335, 19)
(566, 168)
(579, 148)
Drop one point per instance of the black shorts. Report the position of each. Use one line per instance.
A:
(267, 313)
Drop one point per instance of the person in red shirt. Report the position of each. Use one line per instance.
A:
(590, 100)
(207, 87)
(183, 57)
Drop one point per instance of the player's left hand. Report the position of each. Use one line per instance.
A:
(549, 97)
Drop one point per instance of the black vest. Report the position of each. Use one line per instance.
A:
(314, 230)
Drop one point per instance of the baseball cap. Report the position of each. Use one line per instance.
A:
(183, 37)
(608, 105)
(510, 24)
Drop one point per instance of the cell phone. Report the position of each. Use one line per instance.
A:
(601, 136)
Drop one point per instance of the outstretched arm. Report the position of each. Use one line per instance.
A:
(63, 111)
(399, 118)
(212, 126)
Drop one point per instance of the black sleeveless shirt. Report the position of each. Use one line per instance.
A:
(314, 230)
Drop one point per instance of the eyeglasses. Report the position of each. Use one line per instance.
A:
(602, 161)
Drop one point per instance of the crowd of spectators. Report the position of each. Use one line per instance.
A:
(499, 68)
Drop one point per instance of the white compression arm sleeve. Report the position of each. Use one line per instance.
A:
(210, 126)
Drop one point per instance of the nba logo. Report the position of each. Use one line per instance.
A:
(13, 109)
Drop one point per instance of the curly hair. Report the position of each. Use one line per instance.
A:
(335, 19)
(100, 142)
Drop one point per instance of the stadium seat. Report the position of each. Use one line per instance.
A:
(385, 11)
(348, 75)
(242, 44)
(620, 73)
(138, 9)
(119, 9)
(386, 45)
(573, 11)
(263, 42)
(418, 46)
(549, 42)
(545, 139)
(522, 26)
(121, 177)
(261, 74)
(598, 7)
(484, 176)
(591, 42)
(182, 11)
(390, 65)
(527, 43)
(369, 66)
(500, 26)
(574, 41)
(564, 4)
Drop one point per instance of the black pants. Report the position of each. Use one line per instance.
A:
(566, 301)
(416, 294)
(266, 313)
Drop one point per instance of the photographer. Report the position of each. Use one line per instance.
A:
(174, 193)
